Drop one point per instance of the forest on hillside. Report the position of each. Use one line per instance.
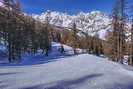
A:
(21, 34)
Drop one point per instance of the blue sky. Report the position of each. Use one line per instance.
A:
(68, 6)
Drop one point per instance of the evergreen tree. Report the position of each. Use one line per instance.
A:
(74, 38)
(122, 37)
(118, 38)
(131, 48)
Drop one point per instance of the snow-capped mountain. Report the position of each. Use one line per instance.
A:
(94, 22)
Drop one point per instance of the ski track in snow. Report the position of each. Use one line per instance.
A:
(68, 72)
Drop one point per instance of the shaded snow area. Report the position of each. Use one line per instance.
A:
(39, 57)
(65, 71)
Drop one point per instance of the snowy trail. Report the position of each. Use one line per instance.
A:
(77, 72)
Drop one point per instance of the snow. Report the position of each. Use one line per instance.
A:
(38, 58)
(1, 4)
(65, 71)
(90, 22)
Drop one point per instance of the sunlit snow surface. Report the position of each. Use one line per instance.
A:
(65, 72)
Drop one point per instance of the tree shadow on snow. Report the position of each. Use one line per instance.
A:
(41, 59)
(3, 74)
(128, 85)
(37, 59)
(65, 84)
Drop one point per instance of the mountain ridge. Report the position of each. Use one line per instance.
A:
(92, 23)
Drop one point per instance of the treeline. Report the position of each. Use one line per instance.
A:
(120, 39)
(22, 34)
(118, 45)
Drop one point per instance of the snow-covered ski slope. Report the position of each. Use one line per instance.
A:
(68, 72)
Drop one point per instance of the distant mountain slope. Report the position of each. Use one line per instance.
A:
(91, 23)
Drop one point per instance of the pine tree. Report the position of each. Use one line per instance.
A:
(121, 48)
(118, 37)
(74, 38)
(8, 26)
(131, 48)
(59, 39)
(97, 49)
(46, 34)
(113, 35)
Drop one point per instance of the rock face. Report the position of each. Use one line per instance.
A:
(92, 23)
